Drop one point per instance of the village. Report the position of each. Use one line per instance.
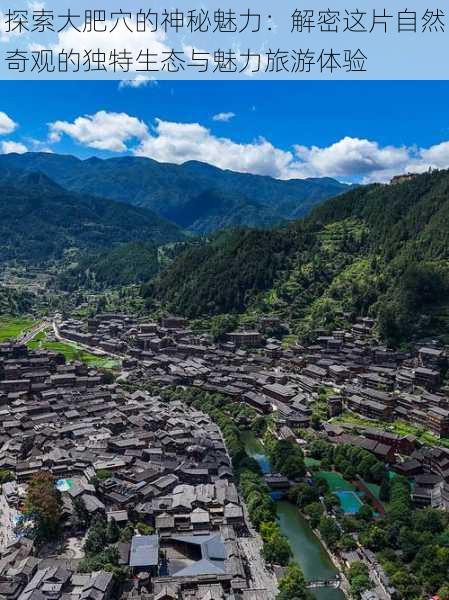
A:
(362, 376)
(161, 472)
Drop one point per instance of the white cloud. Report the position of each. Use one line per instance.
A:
(223, 117)
(38, 145)
(351, 156)
(137, 82)
(103, 131)
(35, 6)
(180, 142)
(8, 147)
(6, 35)
(7, 125)
(348, 159)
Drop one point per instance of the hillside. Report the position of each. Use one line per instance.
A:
(194, 195)
(134, 262)
(13, 302)
(39, 220)
(380, 250)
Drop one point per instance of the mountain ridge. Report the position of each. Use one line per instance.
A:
(168, 189)
(39, 220)
(378, 250)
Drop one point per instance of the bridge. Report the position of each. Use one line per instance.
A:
(319, 583)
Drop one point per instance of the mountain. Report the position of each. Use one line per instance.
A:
(39, 220)
(15, 302)
(213, 210)
(193, 195)
(381, 250)
(134, 262)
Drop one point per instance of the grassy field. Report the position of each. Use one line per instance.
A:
(399, 427)
(336, 482)
(12, 327)
(72, 352)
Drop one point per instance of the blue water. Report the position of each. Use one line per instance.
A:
(307, 549)
(349, 502)
(64, 485)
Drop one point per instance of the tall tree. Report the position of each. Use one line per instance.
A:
(43, 504)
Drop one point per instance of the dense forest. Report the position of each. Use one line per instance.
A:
(135, 262)
(380, 249)
(193, 195)
(14, 302)
(39, 220)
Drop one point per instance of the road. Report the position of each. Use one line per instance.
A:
(251, 547)
(28, 335)
(7, 516)
(90, 349)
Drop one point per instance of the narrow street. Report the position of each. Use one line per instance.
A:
(7, 519)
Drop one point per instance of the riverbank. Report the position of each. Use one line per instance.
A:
(307, 548)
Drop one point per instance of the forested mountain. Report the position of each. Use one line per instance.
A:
(194, 195)
(39, 220)
(14, 302)
(135, 262)
(379, 249)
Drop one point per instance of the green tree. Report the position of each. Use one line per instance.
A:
(220, 325)
(5, 476)
(127, 533)
(292, 585)
(329, 530)
(365, 513)
(443, 592)
(144, 529)
(358, 576)
(276, 549)
(314, 511)
(384, 491)
(112, 531)
(97, 539)
(375, 538)
(43, 504)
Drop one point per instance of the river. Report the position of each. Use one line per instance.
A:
(307, 548)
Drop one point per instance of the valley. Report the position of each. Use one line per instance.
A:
(246, 377)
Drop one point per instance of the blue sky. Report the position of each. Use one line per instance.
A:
(349, 130)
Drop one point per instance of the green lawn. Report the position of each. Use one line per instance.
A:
(72, 352)
(373, 488)
(336, 482)
(36, 341)
(12, 327)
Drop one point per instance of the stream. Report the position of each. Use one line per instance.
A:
(307, 548)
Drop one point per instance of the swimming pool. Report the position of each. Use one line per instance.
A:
(349, 502)
(64, 485)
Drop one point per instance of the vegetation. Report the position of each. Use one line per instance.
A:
(292, 585)
(348, 460)
(12, 327)
(378, 250)
(6, 475)
(398, 426)
(101, 550)
(43, 506)
(135, 262)
(286, 457)
(358, 576)
(39, 220)
(72, 352)
(221, 275)
(193, 195)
